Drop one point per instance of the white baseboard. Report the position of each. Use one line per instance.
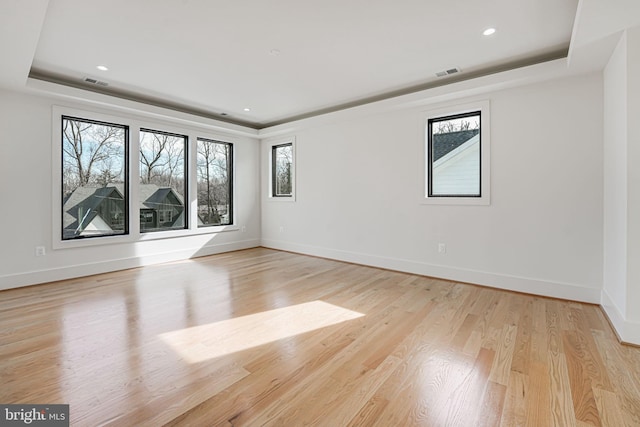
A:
(72, 271)
(507, 282)
(628, 332)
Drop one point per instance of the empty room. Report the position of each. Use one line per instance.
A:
(284, 213)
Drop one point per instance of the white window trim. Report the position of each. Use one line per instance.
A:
(270, 144)
(485, 154)
(134, 124)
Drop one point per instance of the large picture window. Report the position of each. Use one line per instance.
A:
(184, 184)
(163, 187)
(94, 178)
(215, 182)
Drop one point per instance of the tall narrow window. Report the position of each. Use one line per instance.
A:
(94, 178)
(281, 170)
(163, 187)
(454, 156)
(215, 183)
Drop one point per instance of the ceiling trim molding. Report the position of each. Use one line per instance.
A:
(41, 75)
(449, 90)
(558, 53)
(108, 101)
(531, 74)
(148, 100)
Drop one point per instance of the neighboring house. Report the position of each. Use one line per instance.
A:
(93, 210)
(456, 163)
(160, 208)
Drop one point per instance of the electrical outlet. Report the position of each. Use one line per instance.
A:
(442, 248)
(282, 228)
(40, 251)
(243, 228)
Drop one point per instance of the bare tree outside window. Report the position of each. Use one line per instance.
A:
(281, 170)
(215, 178)
(91, 150)
(162, 181)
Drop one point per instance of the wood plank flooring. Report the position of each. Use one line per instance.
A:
(268, 338)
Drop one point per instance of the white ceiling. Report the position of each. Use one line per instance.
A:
(283, 59)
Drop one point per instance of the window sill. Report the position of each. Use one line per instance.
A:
(141, 237)
(170, 234)
(456, 201)
(281, 199)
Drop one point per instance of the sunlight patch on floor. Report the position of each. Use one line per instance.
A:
(205, 342)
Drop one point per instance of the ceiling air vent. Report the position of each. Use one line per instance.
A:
(95, 81)
(448, 72)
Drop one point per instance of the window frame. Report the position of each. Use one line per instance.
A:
(431, 163)
(231, 178)
(274, 174)
(185, 173)
(126, 178)
(135, 124)
(448, 112)
(272, 144)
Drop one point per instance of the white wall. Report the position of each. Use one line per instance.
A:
(621, 286)
(633, 173)
(359, 184)
(26, 201)
(615, 182)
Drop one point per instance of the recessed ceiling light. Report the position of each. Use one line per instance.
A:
(247, 109)
(489, 31)
(274, 52)
(102, 68)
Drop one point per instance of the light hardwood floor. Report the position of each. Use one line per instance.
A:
(261, 337)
